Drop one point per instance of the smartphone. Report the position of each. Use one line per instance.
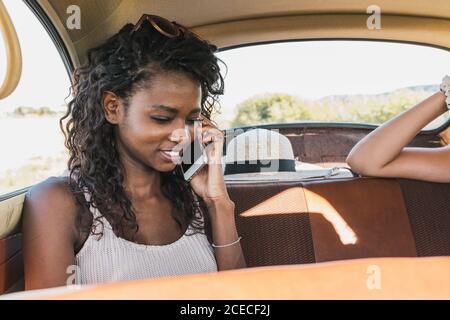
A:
(194, 158)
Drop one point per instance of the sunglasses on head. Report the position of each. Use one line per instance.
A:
(163, 26)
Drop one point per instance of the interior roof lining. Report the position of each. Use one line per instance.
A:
(314, 14)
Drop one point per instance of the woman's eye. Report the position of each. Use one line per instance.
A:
(192, 121)
(161, 119)
(164, 120)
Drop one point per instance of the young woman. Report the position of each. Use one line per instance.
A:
(383, 152)
(125, 211)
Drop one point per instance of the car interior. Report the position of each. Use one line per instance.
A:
(295, 233)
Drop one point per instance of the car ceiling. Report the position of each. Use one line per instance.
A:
(236, 22)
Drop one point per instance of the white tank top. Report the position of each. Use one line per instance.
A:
(112, 258)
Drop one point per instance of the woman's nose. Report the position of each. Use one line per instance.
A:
(180, 135)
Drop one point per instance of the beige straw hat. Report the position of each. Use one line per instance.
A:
(261, 154)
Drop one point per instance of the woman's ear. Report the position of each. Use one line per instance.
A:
(111, 107)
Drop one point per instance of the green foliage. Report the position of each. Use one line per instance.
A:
(270, 108)
(26, 111)
(374, 109)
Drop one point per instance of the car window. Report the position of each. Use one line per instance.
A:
(330, 81)
(31, 143)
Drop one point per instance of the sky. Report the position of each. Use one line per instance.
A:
(315, 69)
(309, 69)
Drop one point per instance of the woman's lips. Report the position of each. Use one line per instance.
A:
(170, 156)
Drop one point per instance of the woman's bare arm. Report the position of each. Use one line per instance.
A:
(383, 152)
(225, 232)
(49, 235)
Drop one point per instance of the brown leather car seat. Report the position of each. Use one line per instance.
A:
(11, 263)
(428, 207)
(288, 222)
(273, 221)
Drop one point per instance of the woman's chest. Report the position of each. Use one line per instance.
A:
(159, 228)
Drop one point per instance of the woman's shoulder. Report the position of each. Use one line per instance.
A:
(49, 228)
(50, 203)
(53, 190)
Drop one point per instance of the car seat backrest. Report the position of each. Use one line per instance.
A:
(428, 206)
(11, 262)
(373, 209)
(273, 222)
(292, 222)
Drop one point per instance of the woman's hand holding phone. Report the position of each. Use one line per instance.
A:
(209, 183)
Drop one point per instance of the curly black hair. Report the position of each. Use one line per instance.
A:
(125, 63)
